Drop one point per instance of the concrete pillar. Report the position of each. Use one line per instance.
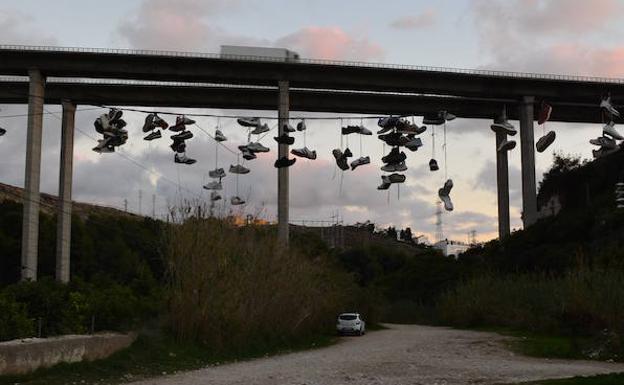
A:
(282, 173)
(502, 185)
(527, 148)
(63, 229)
(30, 225)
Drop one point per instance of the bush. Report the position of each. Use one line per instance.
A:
(234, 288)
(14, 321)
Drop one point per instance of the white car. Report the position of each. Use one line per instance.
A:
(351, 323)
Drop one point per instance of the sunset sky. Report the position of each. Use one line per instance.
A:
(546, 36)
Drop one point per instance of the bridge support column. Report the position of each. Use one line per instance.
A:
(63, 229)
(527, 152)
(30, 222)
(502, 185)
(282, 173)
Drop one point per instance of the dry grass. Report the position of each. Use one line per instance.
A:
(234, 286)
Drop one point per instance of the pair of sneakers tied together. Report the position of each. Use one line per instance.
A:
(342, 157)
(303, 152)
(111, 126)
(285, 139)
(502, 126)
(608, 141)
(154, 124)
(444, 194)
(250, 149)
(542, 117)
(179, 140)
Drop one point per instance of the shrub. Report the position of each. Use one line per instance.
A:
(14, 321)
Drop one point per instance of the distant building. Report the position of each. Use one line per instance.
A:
(451, 248)
(238, 51)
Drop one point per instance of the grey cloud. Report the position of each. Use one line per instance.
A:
(19, 28)
(425, 19)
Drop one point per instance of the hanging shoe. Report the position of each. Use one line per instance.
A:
(503, 126)
(215, 196)
(260, 129)
(392, 139)
(2, 131)
(248, 155)
(364, 131)
(348, 153)
(433, 165)
(284, 162)
(387, 124)
(239, 169)
(301, 126)
(446, 116)
(393, 178)
(217, 173)
(102, 144)
(604, 142)
(446, 199)
(257, 147)
(178, 146)
(384, 184)
(414, 144)
(350, 130)
(183, 159)
(288, 128)
(544, 114)
(215, 185)
(236, 201)
(160, 122)
(181, 122)
(249, 122)
(153, 135)
(394, 167)
(410, 128)
(545, 141)
(219, 137)
(184, 135)
(341, 159)
(304, 153)
(394, 156)
(609, 129)
(360, 162)
(605, 104)
(114, 114)
(284, 139)
(149, 123)
(433, 119)
(507, 145)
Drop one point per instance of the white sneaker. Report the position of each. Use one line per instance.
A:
(606, 104)
(215, 196)
(214, 186)
(448, 205)
(257, 147)
(503, 126)
(304, 153)
(261, 129)
(507, 145)
(239, 169)
(217, 173)
(609, 129)
(236, 201)
(394, 167)
(360, 162)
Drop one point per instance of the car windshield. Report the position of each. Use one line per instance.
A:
(347, 317)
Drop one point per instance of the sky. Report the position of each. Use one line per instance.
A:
(545, 36)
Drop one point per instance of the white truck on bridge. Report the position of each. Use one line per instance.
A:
(237, 51)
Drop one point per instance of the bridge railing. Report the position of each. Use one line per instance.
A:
(478, 72)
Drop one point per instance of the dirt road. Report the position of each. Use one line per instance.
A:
(400, 355)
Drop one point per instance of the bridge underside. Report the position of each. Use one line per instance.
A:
(254, 98)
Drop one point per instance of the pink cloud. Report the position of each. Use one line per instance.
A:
(331, 43)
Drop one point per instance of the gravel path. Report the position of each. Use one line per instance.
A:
(403, 354)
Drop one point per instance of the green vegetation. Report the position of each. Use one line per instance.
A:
(152, 355)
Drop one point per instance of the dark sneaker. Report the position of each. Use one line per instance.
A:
(184, 135)
(387, 124)
(544, 113)
(395, 156)
(236, 201)
(261, 129)
(289, 128)
(394, 167)
(153, 135)
(503, 126)
(545, 141)
(284, 139)
(433, 119)
(118, 124)
(257, 147)
(392, 139)
(507, 145)
(214, 185)
(183, 159)
(341, 159)
(409, 128)
(414, 144)
(2, 131)
(248, 155)
(215, 196)
(239, 169)
(304, 153)
(219, 137)
(446, 199)
(393, 178)
(433, 165)
(284, 162)
(301, 126)
(604, 142)
(249, 122)
(348, 153)
(114, 114)
(160, 122)
(384, 185)
(350, 130)
(360, 162)
(149, 123)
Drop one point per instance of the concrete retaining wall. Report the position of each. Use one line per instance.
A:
(27, 355)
